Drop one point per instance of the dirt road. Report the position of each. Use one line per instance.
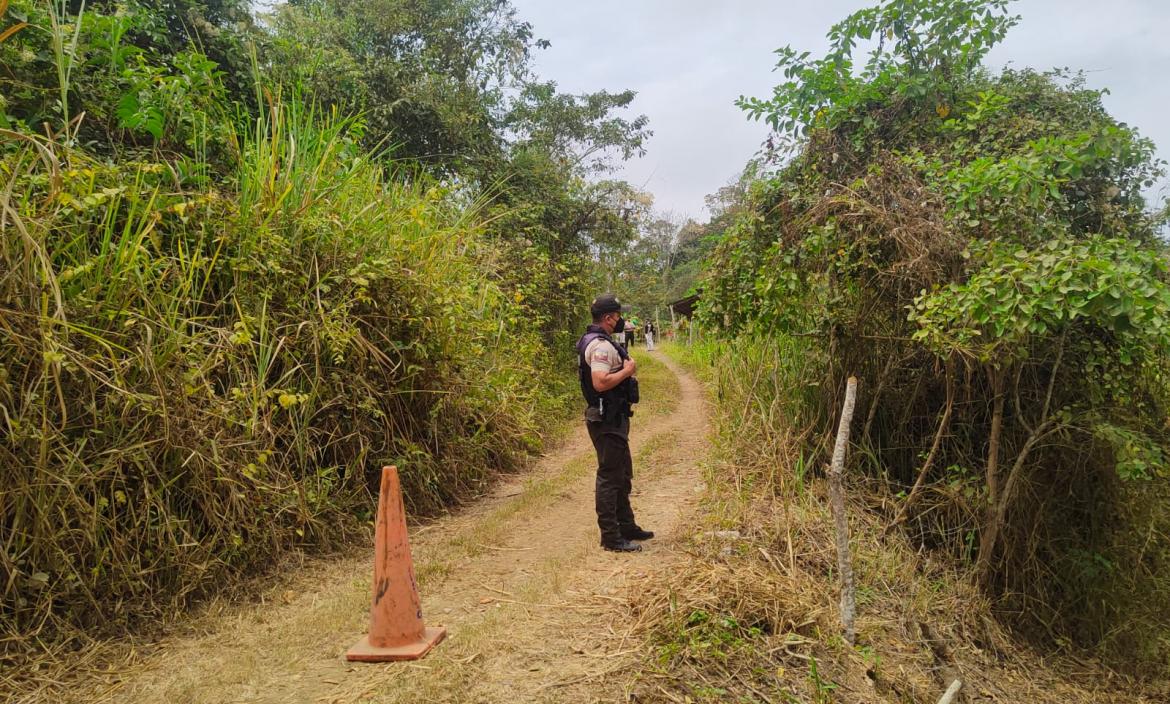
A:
(534, 608)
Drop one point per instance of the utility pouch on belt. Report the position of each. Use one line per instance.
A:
(619, 402)
(614, 413)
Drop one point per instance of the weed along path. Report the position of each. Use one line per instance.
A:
(533, 606)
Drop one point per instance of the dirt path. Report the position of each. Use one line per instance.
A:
(530, 600)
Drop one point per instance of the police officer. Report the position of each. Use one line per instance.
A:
(606, 374)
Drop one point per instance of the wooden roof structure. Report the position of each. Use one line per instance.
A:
(685, 306)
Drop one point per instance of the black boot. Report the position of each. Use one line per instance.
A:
(637, 533)
(622, 545)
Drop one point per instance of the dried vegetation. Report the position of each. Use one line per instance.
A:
(751, 614)
(196, 381)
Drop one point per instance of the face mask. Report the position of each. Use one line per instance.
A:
(619, 325)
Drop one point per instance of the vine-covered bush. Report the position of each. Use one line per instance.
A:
(976, 248)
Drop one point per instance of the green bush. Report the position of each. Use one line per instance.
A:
(977, 249)
(196, 379)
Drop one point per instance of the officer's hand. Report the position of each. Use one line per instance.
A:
(629, 364)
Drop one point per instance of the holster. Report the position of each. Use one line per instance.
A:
(616, 412)
(619, 402)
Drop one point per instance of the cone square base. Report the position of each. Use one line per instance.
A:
(364, 652)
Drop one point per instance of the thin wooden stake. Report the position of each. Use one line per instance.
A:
(949, 695)
(840, 520)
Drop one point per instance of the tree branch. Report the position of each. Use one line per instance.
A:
(943, 425)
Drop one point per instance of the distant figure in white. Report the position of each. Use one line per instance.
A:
(650, 336)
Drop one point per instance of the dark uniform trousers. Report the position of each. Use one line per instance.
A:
(615, 474)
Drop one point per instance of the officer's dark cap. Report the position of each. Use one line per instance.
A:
(605, 303)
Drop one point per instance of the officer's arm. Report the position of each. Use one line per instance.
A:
(605, 380)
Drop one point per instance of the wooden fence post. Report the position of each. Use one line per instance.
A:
(840, 520)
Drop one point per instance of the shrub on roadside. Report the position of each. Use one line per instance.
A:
(978, 250)
(197, 378)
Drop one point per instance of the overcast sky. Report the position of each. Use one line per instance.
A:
(690, 59)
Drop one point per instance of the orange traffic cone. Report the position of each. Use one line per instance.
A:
(396, 625)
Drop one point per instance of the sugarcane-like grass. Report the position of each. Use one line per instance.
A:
(198, 378)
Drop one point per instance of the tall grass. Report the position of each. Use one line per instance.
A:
(754, 610)
(766, 406)
(763, 388)
(196, 379)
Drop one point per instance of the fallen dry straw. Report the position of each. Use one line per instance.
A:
(739, 619)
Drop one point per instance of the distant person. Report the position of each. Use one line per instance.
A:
(606, 374)
(649, 331)
(631, 334)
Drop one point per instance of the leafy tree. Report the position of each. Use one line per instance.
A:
(581, 131)
(670, 254)
(560, 233)
(448, 83)
(977, 248)
(146, 73)
(429, 77)
(923, 49)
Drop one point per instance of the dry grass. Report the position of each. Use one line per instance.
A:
(751, 614)
(519, 581)
(753, 617)
(195, 382)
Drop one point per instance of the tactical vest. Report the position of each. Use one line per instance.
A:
(616, 403)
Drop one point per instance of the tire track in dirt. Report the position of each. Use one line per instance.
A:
(531, 602)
